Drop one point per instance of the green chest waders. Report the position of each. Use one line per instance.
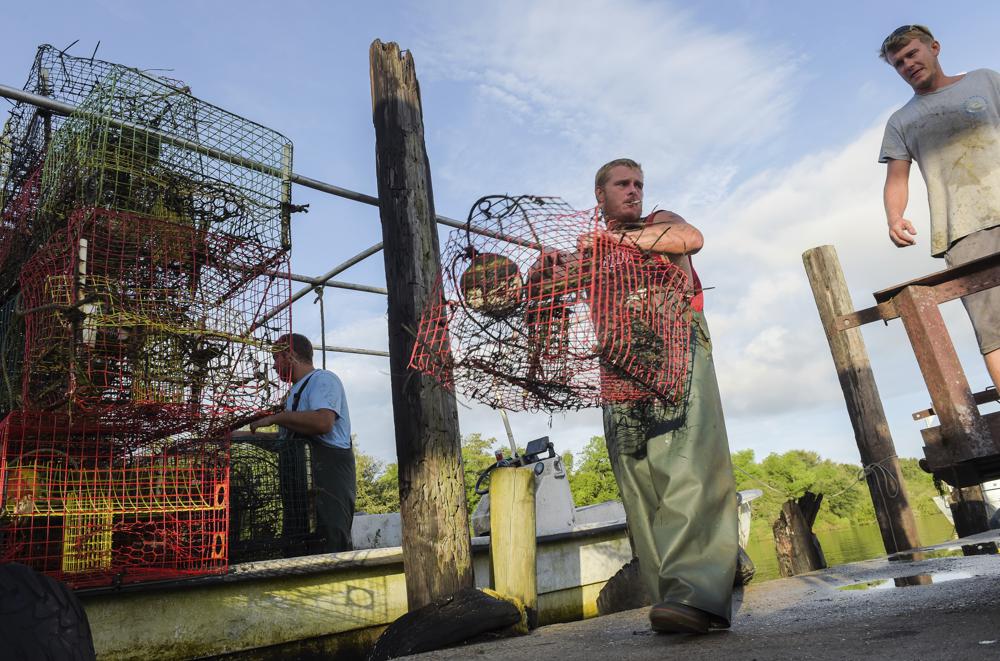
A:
(673, 468)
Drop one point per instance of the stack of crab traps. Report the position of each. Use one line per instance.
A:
(143, 240)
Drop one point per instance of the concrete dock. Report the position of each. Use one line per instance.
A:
(937, 604)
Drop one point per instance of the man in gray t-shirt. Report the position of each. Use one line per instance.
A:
(951, 128)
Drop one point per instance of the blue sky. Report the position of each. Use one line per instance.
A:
(758, 121)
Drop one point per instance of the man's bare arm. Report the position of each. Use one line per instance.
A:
(895, 197)
(667, 234)
(310, 423)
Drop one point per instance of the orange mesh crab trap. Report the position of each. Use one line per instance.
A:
(95, 504)
(540, 308)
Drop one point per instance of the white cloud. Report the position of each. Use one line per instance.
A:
(775, 370)
(546, 97)
(559, 95)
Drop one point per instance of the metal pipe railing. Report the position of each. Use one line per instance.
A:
(364, 352)
(326, 280)
(62, 108)
(323, 278)
(337, 284)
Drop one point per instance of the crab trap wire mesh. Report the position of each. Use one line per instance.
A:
(16, 239)
(125, 310)
(94, 505)
(11, 355)
(272, 503)
(143, 240)
(540, 308)
(136, 143)
(23, 143)
(140, 145)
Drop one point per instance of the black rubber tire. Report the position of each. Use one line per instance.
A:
(40, 618)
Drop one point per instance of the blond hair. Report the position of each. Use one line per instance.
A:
(902, 36)
(604, 172)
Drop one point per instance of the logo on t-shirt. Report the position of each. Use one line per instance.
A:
(975, 104)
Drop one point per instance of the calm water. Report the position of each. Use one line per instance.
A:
(861, 542)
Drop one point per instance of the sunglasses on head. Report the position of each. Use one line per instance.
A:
(903, 29)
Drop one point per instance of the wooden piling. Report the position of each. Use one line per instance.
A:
(796, 546)
(970, 515)
(436, 543)
(864, 406)
(512, 536)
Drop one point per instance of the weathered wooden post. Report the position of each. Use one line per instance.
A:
(970, 516)
(512, 536)
(795, 544)
(436, 545)
(864, 406)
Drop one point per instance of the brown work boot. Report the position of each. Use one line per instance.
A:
(674, 617)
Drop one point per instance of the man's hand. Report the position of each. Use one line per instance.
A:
(585, 242)
(895, 196)
(266, 421)
(901, 232)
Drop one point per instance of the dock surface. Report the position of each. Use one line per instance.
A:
(935, 605)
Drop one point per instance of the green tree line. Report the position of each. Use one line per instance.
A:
(780, 476)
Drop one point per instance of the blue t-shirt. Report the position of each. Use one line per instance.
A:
(323, 390)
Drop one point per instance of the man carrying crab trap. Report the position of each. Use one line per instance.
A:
(671, 458)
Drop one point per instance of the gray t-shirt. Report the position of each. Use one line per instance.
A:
(954, 136)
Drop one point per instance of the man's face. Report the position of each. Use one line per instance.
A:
(917, 63)
(283, 365)
(621, 196)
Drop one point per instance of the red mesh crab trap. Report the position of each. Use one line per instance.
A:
(540, 308)
(97, 505)
(122, 310)
(144, 245)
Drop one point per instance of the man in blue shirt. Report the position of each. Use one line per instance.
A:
(316, 414)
